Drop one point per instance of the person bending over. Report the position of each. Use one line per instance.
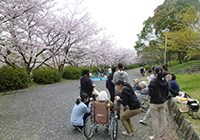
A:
(128, 98)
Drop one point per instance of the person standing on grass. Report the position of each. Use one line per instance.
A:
(158, 92)
(129, 99)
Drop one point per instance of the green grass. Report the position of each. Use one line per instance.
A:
(184, 65)
(190, 83)
(174, 63)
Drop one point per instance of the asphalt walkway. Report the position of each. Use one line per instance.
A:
(43, 113)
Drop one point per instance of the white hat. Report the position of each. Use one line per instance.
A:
(102, 96)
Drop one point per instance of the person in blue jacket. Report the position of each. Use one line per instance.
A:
(173, 86)
(80, 111)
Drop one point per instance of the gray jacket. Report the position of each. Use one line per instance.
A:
(119, 75)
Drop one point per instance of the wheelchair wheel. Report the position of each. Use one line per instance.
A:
(113, 128)
(89, 127)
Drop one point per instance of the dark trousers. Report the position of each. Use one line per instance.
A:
(112, 93)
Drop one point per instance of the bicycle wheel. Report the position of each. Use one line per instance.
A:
(113, 128)
(89, 127)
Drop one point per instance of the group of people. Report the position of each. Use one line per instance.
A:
(121, 92)
(104, 72)
(162, 86)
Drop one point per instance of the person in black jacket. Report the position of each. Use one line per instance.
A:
(111, 85)
(86, 83)
(158, 92)
(128, 98)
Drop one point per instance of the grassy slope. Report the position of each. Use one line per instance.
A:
(189, 83)
(184, 65)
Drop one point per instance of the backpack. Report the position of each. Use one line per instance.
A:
(101, 112)
(187, 95)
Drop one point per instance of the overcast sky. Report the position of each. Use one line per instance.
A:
(122, 18)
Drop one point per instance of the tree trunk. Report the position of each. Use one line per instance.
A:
(179, 57)
(60, 67)
(169, 58)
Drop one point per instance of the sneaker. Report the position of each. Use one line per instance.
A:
(152, 138)
(118, 117)
(126, 134)
(80, 129)
(143, 122)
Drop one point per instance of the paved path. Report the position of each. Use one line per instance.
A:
(43, 113)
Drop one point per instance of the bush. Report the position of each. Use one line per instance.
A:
(92, 69)
(133, 66)
(13, 78)
(46, 75)
(71, 73)
(95, 69)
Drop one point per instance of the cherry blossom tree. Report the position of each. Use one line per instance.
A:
(23, 24)
(32, 34)
(82, 32)
(105, 52)
(36, 35)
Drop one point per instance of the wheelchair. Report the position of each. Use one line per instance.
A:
(101, 115)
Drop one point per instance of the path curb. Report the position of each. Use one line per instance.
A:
(185, 128)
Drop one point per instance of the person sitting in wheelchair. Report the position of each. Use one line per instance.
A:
(80, 112)
(101, 106)
(103, 97)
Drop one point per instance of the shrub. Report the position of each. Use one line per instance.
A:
(13, 78)
(71, 73)
(46, 75)
(133, 66)
(92, 69)
(95, 69)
